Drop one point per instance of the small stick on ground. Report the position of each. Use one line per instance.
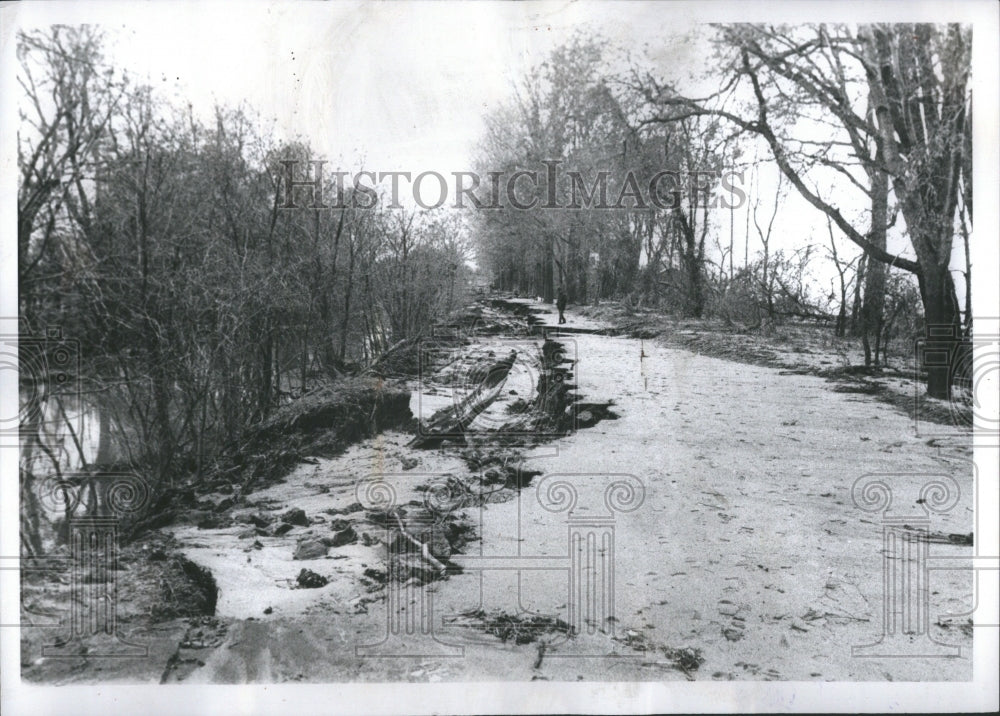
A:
(541, 655)
(424, 549)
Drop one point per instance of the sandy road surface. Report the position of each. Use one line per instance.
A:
(746, 549)
(748, 545)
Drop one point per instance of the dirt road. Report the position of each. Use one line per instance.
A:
(738, 551)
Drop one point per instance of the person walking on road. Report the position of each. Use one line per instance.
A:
(561, 304)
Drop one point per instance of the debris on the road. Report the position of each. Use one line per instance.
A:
(308, 579)
(511, 627)
(483, 383)
(347, 535)
(310, 549)
(295, 517)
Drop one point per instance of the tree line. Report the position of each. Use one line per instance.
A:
(870, 125)
(158, 243)
(197, 303)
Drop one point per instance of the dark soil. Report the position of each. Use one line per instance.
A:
(321, 423)
(517, 628)
(685, 659)
(153, 585)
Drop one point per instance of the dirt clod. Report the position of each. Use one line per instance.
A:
(343, 536)
(521, 629)
(308, 579)
(310, 549)
(295, 517)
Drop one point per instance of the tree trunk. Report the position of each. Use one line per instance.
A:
(873, 306)
(697, 292)
(856, 306)
(943, 346)
(548, 290)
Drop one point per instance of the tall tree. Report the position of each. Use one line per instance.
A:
(897, 98)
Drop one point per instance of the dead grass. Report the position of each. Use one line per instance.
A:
(520, 629)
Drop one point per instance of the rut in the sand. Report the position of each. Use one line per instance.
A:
(456, 542)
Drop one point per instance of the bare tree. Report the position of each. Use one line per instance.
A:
(844, 269)
(911, 121)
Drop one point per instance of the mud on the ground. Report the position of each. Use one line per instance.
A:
(154, 585)
(301, 561)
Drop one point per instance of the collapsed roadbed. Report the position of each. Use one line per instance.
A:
(256, 538)
(749, 557)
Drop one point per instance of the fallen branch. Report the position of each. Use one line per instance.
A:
(454, 419)
(425, 551)
(395, 347)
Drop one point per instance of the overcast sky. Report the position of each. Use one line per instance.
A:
(405, 86)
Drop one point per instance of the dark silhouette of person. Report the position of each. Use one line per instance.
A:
(561, 304)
